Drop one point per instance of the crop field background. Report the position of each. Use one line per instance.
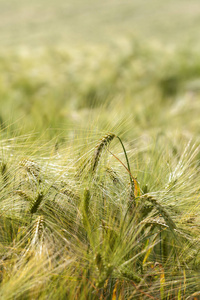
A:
(99, 150)
(42, 22)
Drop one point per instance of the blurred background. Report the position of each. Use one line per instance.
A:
(67, 64)
(42, 22)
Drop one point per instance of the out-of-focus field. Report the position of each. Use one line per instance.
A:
(58, 59)
(99, 150)
(67, 89)
(64, 22)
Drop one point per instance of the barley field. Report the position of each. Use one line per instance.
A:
(99, 150)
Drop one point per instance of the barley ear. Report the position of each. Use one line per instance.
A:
(38, 229)
(105, 141)
(24, 195)
(4, 171)
(32, 168)
(99, 262)
(85, 209)
(35, 205)
(162, 211)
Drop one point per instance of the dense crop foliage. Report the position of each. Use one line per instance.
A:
(99, 166)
